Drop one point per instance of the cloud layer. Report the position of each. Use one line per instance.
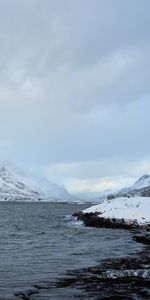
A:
(74, 87)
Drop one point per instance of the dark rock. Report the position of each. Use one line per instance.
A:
(145, 239)
(78, 215)
(110, 197)
(123, 278)
(95, 220)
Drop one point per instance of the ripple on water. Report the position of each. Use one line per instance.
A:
(39, 244)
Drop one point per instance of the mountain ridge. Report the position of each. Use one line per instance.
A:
(140, 188)
(19, 186)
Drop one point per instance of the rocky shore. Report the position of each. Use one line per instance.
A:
(124, 278)
(143, 238)
(95, 220)
(114, 279)
(121, 213)
(142, 232)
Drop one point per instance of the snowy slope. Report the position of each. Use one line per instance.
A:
(17, 185)
(142, 182)
(140, 188)
(137, 208)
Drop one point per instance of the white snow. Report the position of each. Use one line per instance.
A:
(16, 184)
(143, 182)
(137, 208)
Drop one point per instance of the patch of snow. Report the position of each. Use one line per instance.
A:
(136, 208)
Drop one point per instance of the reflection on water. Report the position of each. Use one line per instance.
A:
(40, 242)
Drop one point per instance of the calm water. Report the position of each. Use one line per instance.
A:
(40, 242)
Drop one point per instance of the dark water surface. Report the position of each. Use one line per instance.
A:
(41, 242)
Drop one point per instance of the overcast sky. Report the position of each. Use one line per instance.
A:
(75, 89)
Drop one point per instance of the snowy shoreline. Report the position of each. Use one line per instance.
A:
(130, 209)
(127, 213)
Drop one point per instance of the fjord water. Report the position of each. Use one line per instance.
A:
(40, 242)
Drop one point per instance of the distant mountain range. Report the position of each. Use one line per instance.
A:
(16, 185)
(140, 188)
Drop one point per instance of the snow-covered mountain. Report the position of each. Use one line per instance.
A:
(18, 186)
(142, 182)
(140, 188)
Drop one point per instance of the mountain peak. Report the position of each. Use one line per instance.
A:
(143, 177)
(141, 188)
(143, 181)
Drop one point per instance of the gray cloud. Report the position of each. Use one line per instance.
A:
(74, 83)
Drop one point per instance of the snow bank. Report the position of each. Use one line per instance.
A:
(137, 208)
